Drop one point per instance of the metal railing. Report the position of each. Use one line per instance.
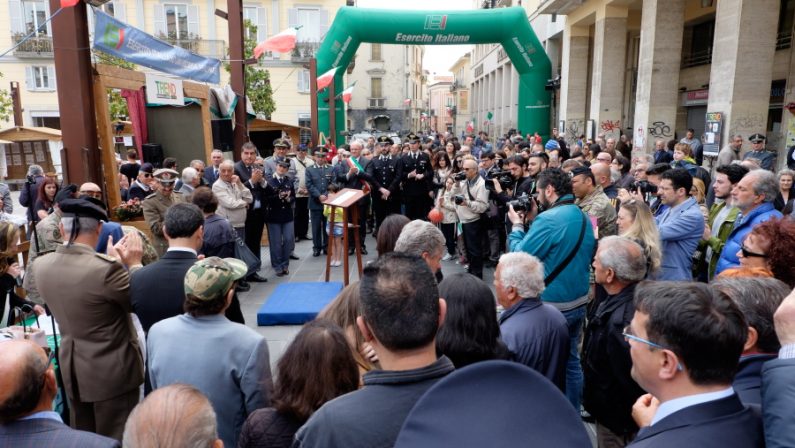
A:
(204, 47)
(304, 51)
(783, 40)
(376, 103)
(697, 58)
(35, 47)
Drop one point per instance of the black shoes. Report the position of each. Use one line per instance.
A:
(352, 251)
(242, 286)
(256, 278)
(364, 250)
(294, 257)
(283, 273)
(316, 252)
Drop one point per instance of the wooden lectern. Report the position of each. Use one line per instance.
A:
(347, 199)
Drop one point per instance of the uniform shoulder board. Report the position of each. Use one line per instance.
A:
(150, 196)
(106, 257)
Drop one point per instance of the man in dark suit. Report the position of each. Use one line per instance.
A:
(416, 173)
(212, 171)
(253, 177)
(318, 178)
(353, 174)
(383, 167)
(687, 361)
(27, 389)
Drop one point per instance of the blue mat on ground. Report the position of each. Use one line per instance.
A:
(296, 303)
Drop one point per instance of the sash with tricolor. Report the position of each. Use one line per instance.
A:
(354, 163)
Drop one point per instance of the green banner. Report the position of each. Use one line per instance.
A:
(507, 26)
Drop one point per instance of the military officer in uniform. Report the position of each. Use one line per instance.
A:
(383, 168)
(318, 178)
(88, 293)
(416, 173)
(280, 148)
(765, 158)
(156, 204)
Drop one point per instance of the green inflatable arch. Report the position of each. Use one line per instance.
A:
(508, 26)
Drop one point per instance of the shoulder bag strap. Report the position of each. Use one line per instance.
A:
(553, 275)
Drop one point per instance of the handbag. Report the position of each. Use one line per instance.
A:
(244, 254)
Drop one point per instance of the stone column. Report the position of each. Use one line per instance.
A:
(742, 65)
(662, 27)
(574, 81)
(609, 64)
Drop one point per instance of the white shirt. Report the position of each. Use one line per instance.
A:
(182, 249)
(677, 404)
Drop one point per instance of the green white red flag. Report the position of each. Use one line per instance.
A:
(324, 80)
(281, 43)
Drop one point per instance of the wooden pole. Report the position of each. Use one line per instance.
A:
(237, 73)
(313, 100)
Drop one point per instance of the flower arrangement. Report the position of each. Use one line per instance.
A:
(128, 211)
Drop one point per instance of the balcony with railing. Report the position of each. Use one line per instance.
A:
(203, 47)
(34, 47)
(783, 40)
(304, 51)
(376, 103)
(697, 58)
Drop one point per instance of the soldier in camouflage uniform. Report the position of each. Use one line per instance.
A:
(156, 204)
(593, 201)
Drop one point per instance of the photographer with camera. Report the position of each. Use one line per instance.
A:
(491, 170)
(29, 193)
(521, 184)
(472, 200)
(563, 239)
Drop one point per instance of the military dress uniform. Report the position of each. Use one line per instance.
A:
(384, 169)
(155, 206)
(318, 179)
(99, 354)
(416, 192)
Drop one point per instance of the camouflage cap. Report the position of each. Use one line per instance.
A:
(208, 278)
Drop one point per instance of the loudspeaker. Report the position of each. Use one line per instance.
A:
(153, 153)
(222, 134)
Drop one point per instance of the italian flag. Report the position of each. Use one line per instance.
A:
(281, 43)
(353, 163)
(407, 101)
(347, 93)
(68, 3)
(324, 80)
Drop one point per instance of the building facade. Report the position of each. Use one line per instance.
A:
(651, 69)
(441, 103)
(462, 80)
(191, 24)
(389, 83)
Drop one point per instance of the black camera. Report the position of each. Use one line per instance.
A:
(30, 179)
(522, 204)
(458, 199)
(458, 177)
(645, 187)
(504, 177)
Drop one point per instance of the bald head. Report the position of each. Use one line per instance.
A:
(27, 385)
(175, 415)
(601, 173)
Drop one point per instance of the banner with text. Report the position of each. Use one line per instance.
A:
(162, 90)
(131, 44)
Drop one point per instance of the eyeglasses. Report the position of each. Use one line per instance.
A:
(747, 253)
(627, 333)
(93, 194)
(147, 175)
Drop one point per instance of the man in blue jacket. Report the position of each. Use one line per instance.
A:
(562, 238)
(681, 225)
(753, 195)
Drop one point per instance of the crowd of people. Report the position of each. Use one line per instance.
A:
(642, 293)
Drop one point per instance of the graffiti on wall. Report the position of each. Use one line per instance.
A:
(659, 129)
(574, 128)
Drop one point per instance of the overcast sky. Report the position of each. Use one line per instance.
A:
(438, 58)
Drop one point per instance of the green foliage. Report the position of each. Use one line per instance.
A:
(258, 83)
(6, 104)
(117, 104)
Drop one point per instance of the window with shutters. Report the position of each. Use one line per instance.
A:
(250, 14)
(375, 52)
(35, 15)
(303, 81)
(176, 17)
(40, 78)
(375, 88)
